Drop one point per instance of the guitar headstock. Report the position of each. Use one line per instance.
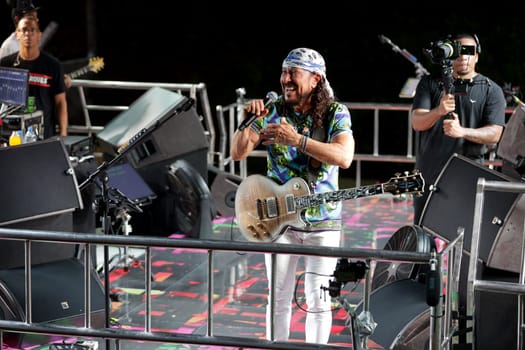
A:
(96, 64)
(406, 183)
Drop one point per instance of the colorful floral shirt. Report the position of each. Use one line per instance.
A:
(286, 162)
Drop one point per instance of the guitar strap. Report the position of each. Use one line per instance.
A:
(319, 134)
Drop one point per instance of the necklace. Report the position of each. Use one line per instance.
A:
(17, 60)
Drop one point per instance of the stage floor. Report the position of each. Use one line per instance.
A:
(179, 287)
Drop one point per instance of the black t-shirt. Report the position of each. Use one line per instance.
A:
(46, 79)
(483, 104)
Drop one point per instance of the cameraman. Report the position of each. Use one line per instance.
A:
(450, 121)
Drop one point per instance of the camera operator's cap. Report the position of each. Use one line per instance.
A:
(309, 60)
(23, 7)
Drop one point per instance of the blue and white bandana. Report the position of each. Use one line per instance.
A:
(309, 60)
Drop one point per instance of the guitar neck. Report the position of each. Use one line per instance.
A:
(76, 73)
(303, 202)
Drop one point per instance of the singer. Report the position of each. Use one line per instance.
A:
(307, 134)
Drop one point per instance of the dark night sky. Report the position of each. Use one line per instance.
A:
(227, 46)
(230, 46)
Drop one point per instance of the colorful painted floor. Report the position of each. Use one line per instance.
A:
(180, 289)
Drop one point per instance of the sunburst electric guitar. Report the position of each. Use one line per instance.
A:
(264, 209)
(95, 65)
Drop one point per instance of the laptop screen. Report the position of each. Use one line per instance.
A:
(14, 86)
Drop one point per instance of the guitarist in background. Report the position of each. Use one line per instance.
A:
(307, 134)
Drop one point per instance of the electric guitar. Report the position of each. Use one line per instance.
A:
(95, 65)
(265, 209)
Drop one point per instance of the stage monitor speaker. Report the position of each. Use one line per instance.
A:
(194, 208)
(402, 315)
(37, 180)
(223, 188)
(511, 147)
(172, 131)
(506, 250)
(57, 298)
(451, 204)
(39, 192)
(496, 314)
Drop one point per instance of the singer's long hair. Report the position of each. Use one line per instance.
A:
(321, 102)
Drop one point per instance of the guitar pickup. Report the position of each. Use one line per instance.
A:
(290, 204)
(271, 207)
(259, 208)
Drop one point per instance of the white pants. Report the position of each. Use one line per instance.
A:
(318, 272)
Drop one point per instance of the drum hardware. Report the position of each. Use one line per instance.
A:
(346, 271)
(362, 326)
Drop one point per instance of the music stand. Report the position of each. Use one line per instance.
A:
(125, 178)
(127, 184)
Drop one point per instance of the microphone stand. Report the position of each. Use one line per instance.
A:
(420, 70)
(409, 89)
(105, 197)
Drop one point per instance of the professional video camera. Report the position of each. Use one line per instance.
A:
(445, 51)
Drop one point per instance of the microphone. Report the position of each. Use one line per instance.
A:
(271, 97)
(433, 283)
(384, 40)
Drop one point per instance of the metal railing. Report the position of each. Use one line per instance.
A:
(387, 122)
(197, 92)
(226, 122)
(89, 241)
(474, 283)
(232, 114)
